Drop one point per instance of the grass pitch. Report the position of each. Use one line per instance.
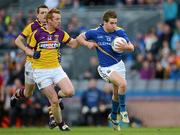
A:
(90, 131)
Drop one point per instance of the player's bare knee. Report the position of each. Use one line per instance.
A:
(69, 93)
(123, 86)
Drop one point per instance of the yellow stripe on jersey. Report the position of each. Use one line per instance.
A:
(119, 28)
(66, 37)
(32, 41)
(95, 28)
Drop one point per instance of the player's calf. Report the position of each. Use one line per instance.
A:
(52, 123)
(19, 94)
(61, 104)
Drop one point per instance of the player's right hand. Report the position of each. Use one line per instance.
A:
(28, 51)
(36, 54)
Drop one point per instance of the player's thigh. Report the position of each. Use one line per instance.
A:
(106, 72)
(66, 85)
(29, 74)
(43, 77)
(117, 79)
(50, 93)
(63, 81)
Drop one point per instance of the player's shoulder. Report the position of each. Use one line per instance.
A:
(119, 29)
(95, 29)
(38, 31)
(32, 25)
(35, 22)
(61, 31)
(28, 26)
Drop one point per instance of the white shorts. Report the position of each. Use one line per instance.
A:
(29, 73)
(105, 72)
(46, 77)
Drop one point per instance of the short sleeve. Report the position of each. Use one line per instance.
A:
(27, 31)
(66, 38)
(90, 34)
(33, 40)
(123, 34)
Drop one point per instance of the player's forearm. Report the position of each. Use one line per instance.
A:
(129, 47)
(81, 40)
(19, 43)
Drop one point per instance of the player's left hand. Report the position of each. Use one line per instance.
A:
(36, 54)
(28, 51)
(121, 47)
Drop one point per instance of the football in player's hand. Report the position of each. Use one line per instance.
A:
(115, 44)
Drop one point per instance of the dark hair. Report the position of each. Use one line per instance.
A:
(41, 6)
(109, 14)
(50, 13)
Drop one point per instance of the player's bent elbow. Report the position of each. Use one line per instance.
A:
(16, 41)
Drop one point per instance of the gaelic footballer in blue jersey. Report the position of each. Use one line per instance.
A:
(111, 67)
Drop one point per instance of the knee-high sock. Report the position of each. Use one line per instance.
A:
(50, 113)
(20, 93)
(56, 111)
(115, 107)
(122, 104)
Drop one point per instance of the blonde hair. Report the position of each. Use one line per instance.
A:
(50, 13)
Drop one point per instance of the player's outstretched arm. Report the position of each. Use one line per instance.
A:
(73, 43)
(82, 40)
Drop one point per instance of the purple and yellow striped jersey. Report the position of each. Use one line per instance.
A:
(26, 33)
(49, 44)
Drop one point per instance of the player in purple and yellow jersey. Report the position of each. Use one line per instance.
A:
(111, 67)
(26, 34)
(47, 71)
(26, 92)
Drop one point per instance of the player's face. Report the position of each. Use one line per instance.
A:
(111, 25)
(42, 15)
(56, 20)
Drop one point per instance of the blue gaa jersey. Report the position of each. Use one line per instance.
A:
(104, 40)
